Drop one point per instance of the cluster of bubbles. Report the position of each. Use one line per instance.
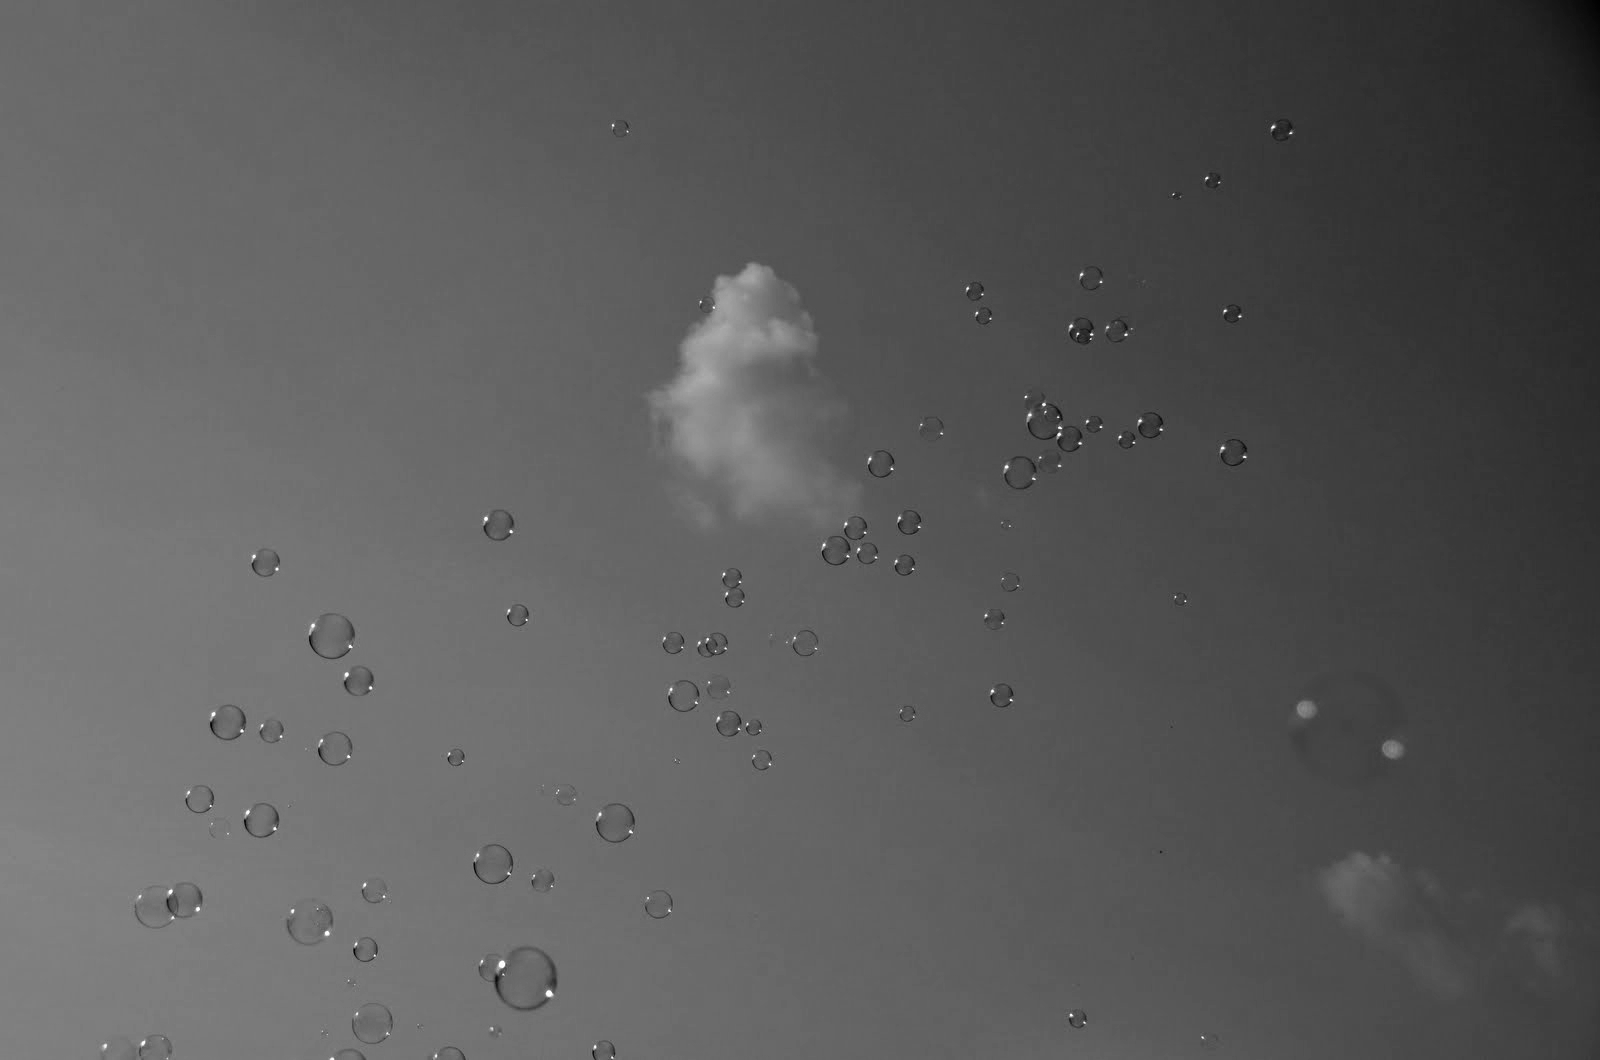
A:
(157, 906)
(837, 549)
(120, 1047)
(733, 587)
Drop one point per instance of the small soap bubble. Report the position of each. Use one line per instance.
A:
(1081, 331)
(761, 760)
(707, 303)
(1032, 398)
(271, 730)
(683, 696)
(1076, 1019)
(488, 966)
(517, 614)
(909, 521)
(449, 1052)
(261, 820)
(264, 562)
(335, 748)
(728, 722)
(603, 1050)
(1010, 582)
(218, 828)
(1049, 462)
(904, 565)
(974, 291)
(1180, 598)
(1151, 425)
(1210, 1042)
(1232, 314)
(199, 798)
(358, 680)
(983, 315)
(309, 922)
(835, 550)
(227, 722)
(350, 1054)
(994, 618)
(1281, 129)
(1001, 695)
(614, 822)
(1213, 180)
(494, 1031)
(151, 906)
(332, 636)
(702, 648)
(880, 464)
(752, 727)
(372, 1023)
(672, 643)
(455, 756)
(492, 863)
(375, 890)
(118, 1048)
(931, 428)
(806, 643)
(620, 128)
(1177, 195)
(1007, 524)
(908, 713)
(1044, 421)
(365, 948)
(499, 525)
(543, 880)
(1126, 439)
(184, 900)
(1233, 452)
(733, 597)
(867, 552)
(350, 981)
(1069, 439)
(526, 979)
(1118, 328)
(855, 528)
(1093, 424)
(718, 687)
(1019, 473)
(658, 904)
(155, 1047)
(1341, 724)
(1091, 277)
(732, 578)
(566, 795)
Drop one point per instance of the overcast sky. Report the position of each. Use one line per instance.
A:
(339, 279)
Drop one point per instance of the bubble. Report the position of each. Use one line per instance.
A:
(614, 822)
(729, 722)
(151, 906)
(517, 614)
(1077, 1019)
(264, 562)
(1093, 424)
(488, 966)
(261, 820)
(1210, 1042)
(1001, 695)
(350, 982)
(184, 900)
(358, 680)
(199, 798)
(227, 722)
(1044, 421)
(1126, 439)
(835, 550)
(1019, 473)
(994, 618)
(931, 428)
(909, 521)
(719, 643)
(155, 1047)
(1081, 331)
(703, 649)
(672, 643)
(1340, 725)
(494, 1031)
(752, 727)
(1233, 452)
(1118, 328)
(658, 904)
(449, 1052)
(984, 315)
(761, 760)
(499, 525)
(1049, 462)
(118, 1048)
(543, 880)
(1180, 598)
(974, 291)
(1232, 314)
(908, 713)
(1010, 582)
(527, 978)
(309, 922)
(1213, 180)
(334, 748)
(683, 696)
(271, 730)
(365, 949)
(880, 464)
(904, 565)
(492, 864)
(1151, 425)
(218, 828)
(1069, 439)
(1177, 195)
(375, 890)
(855, 528)
(718, 687)
(332, 636)
(455, 756)
(349, 1054)
(372, 1023)
(733, 597)
(707, 303)
(1281, 129)
(806, 643)
(1091, 277)
(620, 128)
(1393, 750)
(566, 794)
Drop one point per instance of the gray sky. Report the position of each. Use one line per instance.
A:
(338, 279)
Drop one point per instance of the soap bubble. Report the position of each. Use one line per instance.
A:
(1093, 424)
(603, 1050)
(761, 760)
(1069, 439)
(488, 966)
(150, 907)
(1044, 421)
(1049, 462)
(365, 949)
(155, 1047)
(372, 1023)
(1151, 425)
(1281, 129)
(909, 521)
(904, 565)
(718, 686)
(1001, 695)
(683, 696)
(517, 614)
(1126, 439)
(974, 291)
(1091, 277)
(1180, 598)
(309, 922)
(658, 904)
(499, 525)
(1232, 314)
(620, 128)
(218, 828)
(614, 822)
(375, 890)
(118, 1048)
(184, 900)
(350, 1054)
(728, 722)
(492, 863)
(1081, 331)
(806, 643)
(1213, 180)
(835, 550)
(1077, 1019)
(732, 578)
(335, 748)
(1210, 1042)
(1340, 725)
(880, 464)
(449, 1052)
(1019, 473)
(867, 553)
(264, 562)
(526, 978)
(931, 428)
(332, 636)
(908, 713)
(1010, 582)
(199, 798)
(994, 618)
(984, 315)
(1233, 452)
(672, 643)
(271, 730)
(855, 528)
(227, 722)
(543, 880)
(752, 727)
(734, 597)
(455, 756)
(1118, 328)
(566, 795)
(707, 303)
(261, 820)
(358, 680)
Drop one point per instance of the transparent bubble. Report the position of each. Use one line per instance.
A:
(494, 1031)
(375, 890)
(761, 759)
(855, 528)
(984, 315)
(1044, 421)
(620, 128)
(734, 597)
(614, 822)
(1091, 277)
(271, 730)
(309, 921)
(908, 713)
(1281, 129)
(218, 828)
(672, 643)
(683, 696)
(1032, 398)
(151, 906)
(1126, 439)
(729, 722)
(1048, 462)
(261, 820)
(543, 880)
(835, 550)
(1340, 725)
(492, 863)
(752, 727)
(199, 798)
(704, 649)
(350, 982)
(264, 562)
(707, 303)
(1077, 1019)
(335, 748)
(449, 1052)
(517, 614)
(365, 948)
(488, 967)
(566, 795)
(499, 525)
(118, 1047)
(1019, 473)
(974, 291)
(1001, 695)
(1210, 1042)
(227, 722)
(184, 900)
(994, 618)
(1093, 424)
(155, 1047)
(1010, 582)
(867, 553)
(455, 756)
(1007, 524)
(904, 565)
(1233, 452)
(527, 978)
(880, 464)
(358, 680)
(909, 521)
(1177, 195)
(658, 904)
(931, 428)
(1081, 331)
(332, 636)
(1069, 439)
(806, 643)
(1232, 314)
(1180, 598)
(350, 1054)
(1151, 425)
(1213, 180)
(1118, 328)
(372, 1023)
(718, 687)
(1393, 750)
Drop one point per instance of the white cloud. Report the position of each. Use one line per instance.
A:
(746, 417)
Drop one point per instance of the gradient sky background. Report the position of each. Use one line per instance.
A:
(338, 278)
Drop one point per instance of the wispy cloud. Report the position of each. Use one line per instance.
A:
(745, 420)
